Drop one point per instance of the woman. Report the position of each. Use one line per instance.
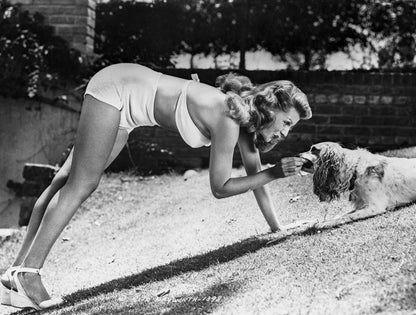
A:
(122, 97)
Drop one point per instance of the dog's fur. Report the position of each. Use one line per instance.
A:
(375, 183)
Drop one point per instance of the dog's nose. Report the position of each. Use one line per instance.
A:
(308, 156)
(308, 159)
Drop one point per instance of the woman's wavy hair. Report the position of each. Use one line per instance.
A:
(254, 106)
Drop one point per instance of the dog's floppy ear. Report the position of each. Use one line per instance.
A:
(333, 173)
(376, 170)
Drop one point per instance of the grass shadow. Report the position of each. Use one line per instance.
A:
(197, 303)
(175, 268)
(190, 264)
(203, 302)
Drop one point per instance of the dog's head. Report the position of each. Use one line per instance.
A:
(333, 169)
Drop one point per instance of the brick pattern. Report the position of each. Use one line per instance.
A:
(73, 20)
(372, 110)
(375, 121)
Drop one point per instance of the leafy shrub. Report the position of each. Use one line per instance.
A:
(31, 56)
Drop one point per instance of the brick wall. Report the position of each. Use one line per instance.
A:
(73, 20)
(372, 110)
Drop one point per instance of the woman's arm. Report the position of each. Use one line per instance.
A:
(224, 140)
(252, 164)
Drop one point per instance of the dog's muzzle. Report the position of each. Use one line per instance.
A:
(308, 161)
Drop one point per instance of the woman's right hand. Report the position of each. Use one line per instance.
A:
(288, 166)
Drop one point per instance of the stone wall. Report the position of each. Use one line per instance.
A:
(31, 132)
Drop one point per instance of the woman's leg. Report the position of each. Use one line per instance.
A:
(40, 206)
(58, 181)
(37, 214)
(97, 134)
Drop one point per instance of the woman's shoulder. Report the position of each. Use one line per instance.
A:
(211, 106)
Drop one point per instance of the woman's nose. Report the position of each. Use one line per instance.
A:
(285, 132)
(269, 138)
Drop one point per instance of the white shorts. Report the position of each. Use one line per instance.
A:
(129, 87)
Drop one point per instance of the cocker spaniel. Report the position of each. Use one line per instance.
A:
(375, 183)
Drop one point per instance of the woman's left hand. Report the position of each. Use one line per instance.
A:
(294, 225)
(298, 224)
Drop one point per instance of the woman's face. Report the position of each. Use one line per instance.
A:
(274, 132)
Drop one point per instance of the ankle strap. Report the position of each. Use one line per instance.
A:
(13, 268)
(29, 270)
(11, 271)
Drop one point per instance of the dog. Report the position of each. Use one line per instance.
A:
(375, 183)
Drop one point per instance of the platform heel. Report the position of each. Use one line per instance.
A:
(5, 291)
(19, 297)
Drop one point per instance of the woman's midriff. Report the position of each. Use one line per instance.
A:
(167, 93)
(166, 98)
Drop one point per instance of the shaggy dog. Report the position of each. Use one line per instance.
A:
(375, 183)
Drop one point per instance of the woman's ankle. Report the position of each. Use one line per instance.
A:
(31, 264)
(17, 263)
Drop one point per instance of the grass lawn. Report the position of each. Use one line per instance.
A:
(162, 245)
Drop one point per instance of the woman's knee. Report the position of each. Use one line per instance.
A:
(91, 185)
(60, 179)
(45, 198)
(82, 188)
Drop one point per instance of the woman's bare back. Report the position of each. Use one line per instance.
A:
(205, 103)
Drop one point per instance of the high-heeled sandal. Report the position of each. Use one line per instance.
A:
(5, 291)
(19, 298)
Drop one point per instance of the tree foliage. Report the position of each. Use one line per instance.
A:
(300, 31)
(153, 32)
(222, 27)
(30, 54)
(308, 31)
(141, 32)
(393, 26)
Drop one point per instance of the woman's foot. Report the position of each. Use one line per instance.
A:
(29, 292)
(6, 285)
(33, 287)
